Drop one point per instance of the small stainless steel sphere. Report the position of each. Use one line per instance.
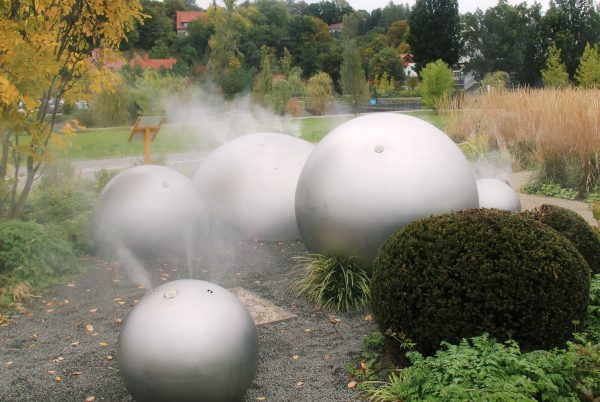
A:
(188, 340)
(494, 193)
(249, 184)
(374, 174)
(149, 209)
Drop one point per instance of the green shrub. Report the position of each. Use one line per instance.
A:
(574, 228)
(337, 283)
(458, 275)
(30, 252)
(592, 321)
(437, 83)
(63, 202)
(483, 370)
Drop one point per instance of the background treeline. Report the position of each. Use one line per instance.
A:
(507, 38)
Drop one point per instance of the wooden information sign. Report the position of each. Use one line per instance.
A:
(145, 129)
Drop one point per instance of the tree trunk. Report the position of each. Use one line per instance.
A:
(4, 157)
(19, 205)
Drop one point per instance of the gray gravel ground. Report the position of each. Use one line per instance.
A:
(65, 349)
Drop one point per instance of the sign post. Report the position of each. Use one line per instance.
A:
(146, 128)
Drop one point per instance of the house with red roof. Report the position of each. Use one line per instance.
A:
(336, 28)
(184, 18)
(146, 62)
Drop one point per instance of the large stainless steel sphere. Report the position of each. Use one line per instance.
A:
(149, 209)
(249, 185)
(494, 193)
(374, 174)
(188, 340)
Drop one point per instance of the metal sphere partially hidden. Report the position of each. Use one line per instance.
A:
(149, 209)
(188, 340)
(494, 193)
(371, 176)
(249, 185)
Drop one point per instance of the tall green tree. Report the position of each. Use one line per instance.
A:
(504, 38)
(437, 83)
(570, 24)
(588, 72)
(320, 92)
(555, 74)
(225, 64)
(434, 32)
(352, 75)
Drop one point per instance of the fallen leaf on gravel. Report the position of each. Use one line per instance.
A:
(363, 365)
(76, 373)
(102, 344)
(65, 301)
(261, 398)
(75, 344)
(70, 285)
(89, 328)
(120, 303)
(59, 359)
(334, 320)
(141, 287)
(368, 317)
(49, 311)
(32, 346)
(58, 378)
(93, 310)
(90, 399)
(306, 329)
(10, 363)
(51, 371)
(295, 357)
(299, 384)
(352, 384)
(206, 272)
(327, 356)
(119, 320)
(33, 337)
(109, 357)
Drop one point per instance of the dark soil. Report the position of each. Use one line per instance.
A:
(64, 349)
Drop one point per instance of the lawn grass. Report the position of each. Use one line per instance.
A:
(112, 142)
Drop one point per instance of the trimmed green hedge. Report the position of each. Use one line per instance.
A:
(462, 274)
(574, 228)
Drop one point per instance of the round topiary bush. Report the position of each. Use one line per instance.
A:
(461, 274)
(574, 228)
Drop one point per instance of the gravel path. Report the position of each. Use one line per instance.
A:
(64, 349)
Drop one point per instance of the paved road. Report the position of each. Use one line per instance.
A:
(189, 161)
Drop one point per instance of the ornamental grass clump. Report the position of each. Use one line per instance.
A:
(574, 228)
(557, 131)
(333, 282)
(462, 274)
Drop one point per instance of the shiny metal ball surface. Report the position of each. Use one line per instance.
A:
(371, 176)
(149, 209)
(494, 193)
(249, 184)
(188, 340)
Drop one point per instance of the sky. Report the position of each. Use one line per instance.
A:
(463, 5)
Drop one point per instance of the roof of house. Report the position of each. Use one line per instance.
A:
(187, 16)
(145, 62)
(339, 25)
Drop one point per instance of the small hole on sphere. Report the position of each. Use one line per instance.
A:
(378, 148)
(165, 184)
(209, 291)
(169, 294)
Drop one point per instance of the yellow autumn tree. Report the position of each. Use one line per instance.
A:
(50, 51)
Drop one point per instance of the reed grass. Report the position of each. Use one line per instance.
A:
(557, 130)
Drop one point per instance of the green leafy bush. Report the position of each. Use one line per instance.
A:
(337, 283)
(437, 84)
(483, 370)
(458, 275)
(574, 228)
(30, 252)
(63, 202)
(550, 190)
